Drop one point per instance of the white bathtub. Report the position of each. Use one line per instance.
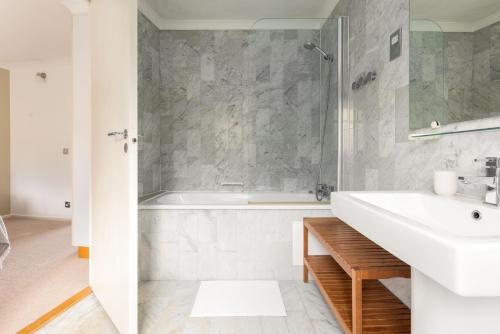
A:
(234, 201)
(224, 235)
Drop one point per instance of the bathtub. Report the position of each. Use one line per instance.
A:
(234, 200)
(224, 235)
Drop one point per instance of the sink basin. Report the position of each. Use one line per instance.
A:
(453, 240)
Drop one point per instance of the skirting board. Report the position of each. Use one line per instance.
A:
(83, 252)
(57, 219)
(6, 216)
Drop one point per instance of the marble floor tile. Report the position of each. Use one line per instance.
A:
(291, 296)
(86, 317)
(274, 325)
(165, 306)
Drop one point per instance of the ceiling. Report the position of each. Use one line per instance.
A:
(454, 10)
(196, 11)
(34, 30)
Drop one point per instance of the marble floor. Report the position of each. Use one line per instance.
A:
(165, 306)
(86, 317)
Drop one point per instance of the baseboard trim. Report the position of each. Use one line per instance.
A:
(58, 219)
(56, 311)
(83, 252)
(6, 216)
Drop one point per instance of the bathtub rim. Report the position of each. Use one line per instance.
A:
(326, 206)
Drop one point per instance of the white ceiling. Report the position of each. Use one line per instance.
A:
(34, 30)
(454, 10)
(239, 9)
(229, 14)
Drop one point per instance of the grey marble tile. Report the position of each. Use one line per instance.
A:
(299, 323)
(469, 64)
(219, 244)
(275, 325)
(237, 106)
(165, 308)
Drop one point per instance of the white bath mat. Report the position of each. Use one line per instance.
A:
(238, 299)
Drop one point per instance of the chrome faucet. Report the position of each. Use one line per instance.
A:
(491, 180)
(323, 191)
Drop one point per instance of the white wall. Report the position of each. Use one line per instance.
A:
(41, 126)
(82, 154)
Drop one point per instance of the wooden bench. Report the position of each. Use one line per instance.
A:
(348, 278)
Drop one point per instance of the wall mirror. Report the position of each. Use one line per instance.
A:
(454, 63)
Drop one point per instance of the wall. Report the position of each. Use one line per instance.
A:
(217, 128)
(41, 126)
(486, 72)
(4, 142)
(149, 104)
(82, 128)
(454, 76)
(427, 78)
(380, 156)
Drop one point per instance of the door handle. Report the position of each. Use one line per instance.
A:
(123, 133)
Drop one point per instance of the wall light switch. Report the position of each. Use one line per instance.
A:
(65, 151)
(395, 44)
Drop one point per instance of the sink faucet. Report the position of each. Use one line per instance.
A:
(491, 180)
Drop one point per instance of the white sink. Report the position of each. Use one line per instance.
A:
(435, 235)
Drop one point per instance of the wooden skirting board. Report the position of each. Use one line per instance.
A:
(56, 311)
(83, 252)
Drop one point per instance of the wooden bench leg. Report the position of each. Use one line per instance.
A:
(306, 253)
(357, 304)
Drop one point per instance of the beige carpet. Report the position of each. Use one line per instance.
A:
(41, 271)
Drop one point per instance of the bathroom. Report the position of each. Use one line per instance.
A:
(291, 167)
(240, 140)
(232, 131)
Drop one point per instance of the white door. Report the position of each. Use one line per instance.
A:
(113, 259)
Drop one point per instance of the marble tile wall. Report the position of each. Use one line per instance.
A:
(149, 103)
(380, 156)
(239, 106)
(486, 72)
(427, 79)
(452, 76)
(458, 79)
(219, 244)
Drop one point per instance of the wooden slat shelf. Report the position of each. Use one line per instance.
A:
(348, 279)
(354, 252)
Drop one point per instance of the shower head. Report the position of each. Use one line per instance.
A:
(312, 46)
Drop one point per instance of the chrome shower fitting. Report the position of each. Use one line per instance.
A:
(326, 56)
(323, 191)
(364, 79)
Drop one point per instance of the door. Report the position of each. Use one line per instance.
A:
(113, 259)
